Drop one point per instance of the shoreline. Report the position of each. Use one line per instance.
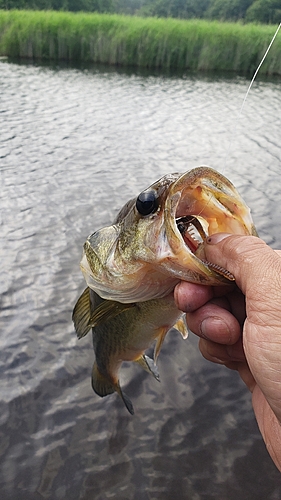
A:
(153, 43)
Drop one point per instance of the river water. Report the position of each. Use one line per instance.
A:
(75, 144)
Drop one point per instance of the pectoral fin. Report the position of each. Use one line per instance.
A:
(84, 321)
(108, 309)
(82, 314)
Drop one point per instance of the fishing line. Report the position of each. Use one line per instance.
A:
(245, 98)
(247, 93)
(257, 70)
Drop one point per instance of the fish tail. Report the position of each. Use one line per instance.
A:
(126, 400)
(103, 386)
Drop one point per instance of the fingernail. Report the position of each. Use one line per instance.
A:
(215, 324)
(216, 238)
(204, 328)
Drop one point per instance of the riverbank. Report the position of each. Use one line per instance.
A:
(135, 41)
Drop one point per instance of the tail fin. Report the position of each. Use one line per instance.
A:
(126, 400)
(103, 386)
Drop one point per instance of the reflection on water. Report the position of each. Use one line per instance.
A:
(75, 145)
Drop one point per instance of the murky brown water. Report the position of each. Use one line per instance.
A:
(74, 146)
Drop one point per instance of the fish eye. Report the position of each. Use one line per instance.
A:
(147, 202)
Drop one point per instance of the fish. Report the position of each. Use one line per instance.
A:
(132, 266)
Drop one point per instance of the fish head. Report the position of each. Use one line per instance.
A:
(158, 238)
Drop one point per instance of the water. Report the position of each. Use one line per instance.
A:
(75, 145)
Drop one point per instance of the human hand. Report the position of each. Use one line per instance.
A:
(240, 326)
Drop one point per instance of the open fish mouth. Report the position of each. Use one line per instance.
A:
(200, 203)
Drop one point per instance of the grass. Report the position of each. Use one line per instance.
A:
(136, 41)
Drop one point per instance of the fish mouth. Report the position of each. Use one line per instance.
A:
(200, 203)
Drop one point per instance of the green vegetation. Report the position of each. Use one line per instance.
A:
(146, 42)
(263, 11)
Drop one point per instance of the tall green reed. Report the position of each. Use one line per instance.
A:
(136, 41)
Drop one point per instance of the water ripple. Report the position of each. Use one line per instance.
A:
(75, 145)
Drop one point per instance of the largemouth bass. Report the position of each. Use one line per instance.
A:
(132, 267)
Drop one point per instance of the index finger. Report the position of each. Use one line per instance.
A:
(190, 296)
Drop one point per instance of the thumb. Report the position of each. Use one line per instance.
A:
(257, 270)
(248, 258)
